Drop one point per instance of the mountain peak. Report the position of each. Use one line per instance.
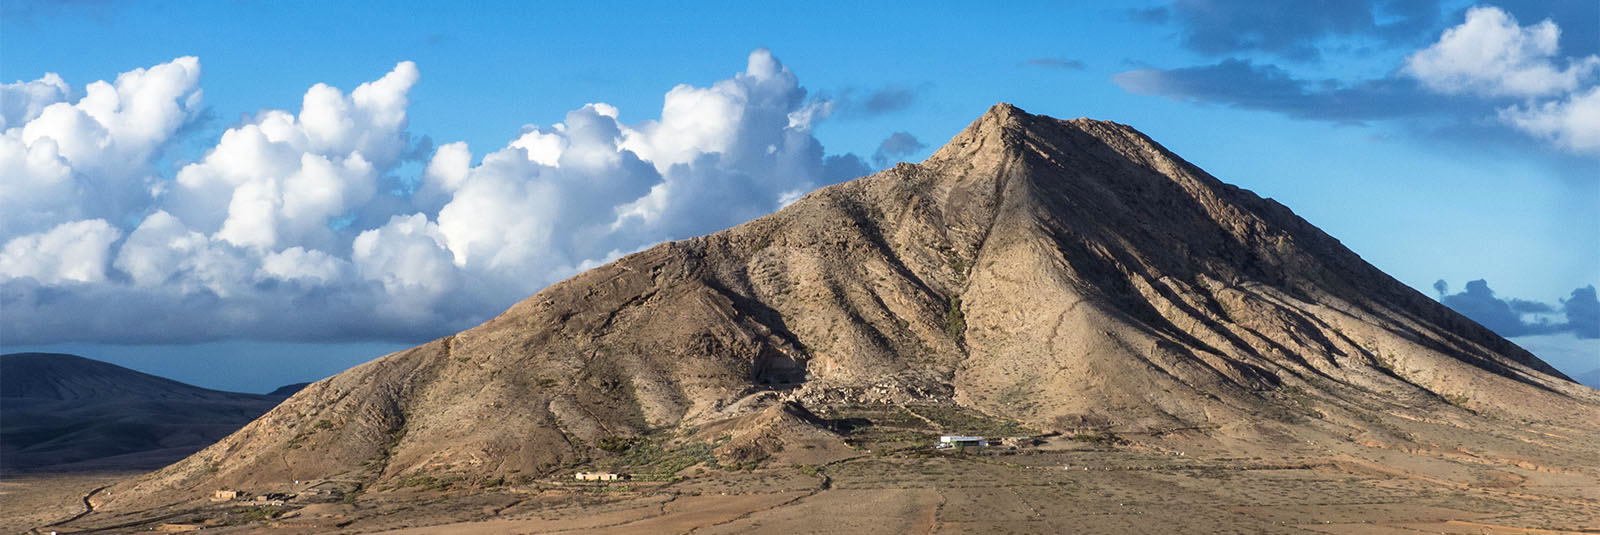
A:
(997, 130)
(1004, 113)
(1006, 131)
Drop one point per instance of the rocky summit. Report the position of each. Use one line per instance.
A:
(1068, 278)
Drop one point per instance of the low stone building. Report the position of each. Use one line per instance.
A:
(178, 528)
(1018, 442)
(599, 476)
(224, 495)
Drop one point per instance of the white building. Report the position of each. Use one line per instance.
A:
(961, 441)
(599, 476)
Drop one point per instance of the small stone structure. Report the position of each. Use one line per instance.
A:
(599, 476)
(1018, 442)
(224, 495)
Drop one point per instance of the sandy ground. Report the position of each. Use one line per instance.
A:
(997, 495)
(1065, 490)
(32, 500)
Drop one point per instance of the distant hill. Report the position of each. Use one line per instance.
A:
(288, 390)
(1590, 378)
(64, 412)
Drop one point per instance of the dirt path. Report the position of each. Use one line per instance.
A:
(931, 423)
(88, 507)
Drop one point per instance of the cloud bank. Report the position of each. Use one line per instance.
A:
(300, 226)
(1293, 30)
(1490, 68)
(1579, 314)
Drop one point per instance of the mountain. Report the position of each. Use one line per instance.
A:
(65, 412)
(1066, 276)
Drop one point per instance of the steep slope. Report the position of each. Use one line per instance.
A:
(1069, 275)
(65, 412)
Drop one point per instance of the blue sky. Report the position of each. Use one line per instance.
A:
(1366, 118)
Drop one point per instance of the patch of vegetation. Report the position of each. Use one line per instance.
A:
(1298, 407)
(970, 422)
(763, 242)
(609, 489)
(350, 497)
(1383, 363)
(1017, 394)
(1458, 400)
(957, 264)
(323, 424)
(245, 515)
(955, 321)
(386, 450)
(650, 460)
(807, 469)
(881, 428)
(1104, 439)
(616, 444)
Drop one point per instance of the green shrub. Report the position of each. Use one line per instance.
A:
(955, 322)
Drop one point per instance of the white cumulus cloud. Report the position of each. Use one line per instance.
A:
(70, 252)
(301, 226)
(283, 177)
(1572, 123)
(62, 161)
(21, 102)
(1491, 55)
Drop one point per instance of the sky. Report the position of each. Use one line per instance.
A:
(245, 194)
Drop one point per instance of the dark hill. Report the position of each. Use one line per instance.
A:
(65, 412)
(287, 390)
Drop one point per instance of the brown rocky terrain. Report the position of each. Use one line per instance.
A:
(1033, 276)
